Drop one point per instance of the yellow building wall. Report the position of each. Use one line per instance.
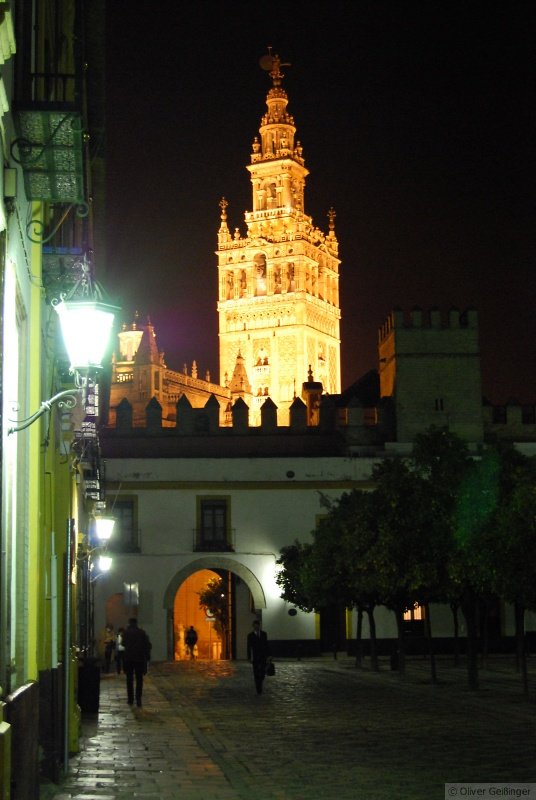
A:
(35, 470)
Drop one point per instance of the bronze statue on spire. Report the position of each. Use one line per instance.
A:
(272, 64)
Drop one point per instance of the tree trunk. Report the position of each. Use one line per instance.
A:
(373, 646)
(359, 638)
(521, 655)
(469, 610)
(429, 641)
(399, 614)
(484, 611)
(456, 625)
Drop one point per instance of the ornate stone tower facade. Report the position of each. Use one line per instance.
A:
(278, 300)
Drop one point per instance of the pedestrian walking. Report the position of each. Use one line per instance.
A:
(258, 651)
(136, 655)
(191, 640)
(119, 650)
(109, 644)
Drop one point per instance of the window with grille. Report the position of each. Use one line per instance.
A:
(124, 538)
(213, 531)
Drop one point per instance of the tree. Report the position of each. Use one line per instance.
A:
(512, 542)
(339, 570)
(410, 552)
(292, 559)
(328, 571)
(470, 569)
(459, 494)
(213, 598)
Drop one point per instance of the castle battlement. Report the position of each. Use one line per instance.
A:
(333, 431)
(511, 422)
(432, 319)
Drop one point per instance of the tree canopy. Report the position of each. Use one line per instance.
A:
(441, 525)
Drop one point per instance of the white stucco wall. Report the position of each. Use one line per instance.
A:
(273, 501)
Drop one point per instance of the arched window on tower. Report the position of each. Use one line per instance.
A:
(230, 285)
(291, 278)
(277, 280)
(243, 283)
(262, 358)
(271, 195)
(260, 274)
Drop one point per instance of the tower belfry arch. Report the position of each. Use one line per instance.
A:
(278, 299)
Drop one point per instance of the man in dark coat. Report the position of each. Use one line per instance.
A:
(137, 653)
(258, 652)
(191, 640)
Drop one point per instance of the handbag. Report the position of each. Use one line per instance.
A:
(270, 668)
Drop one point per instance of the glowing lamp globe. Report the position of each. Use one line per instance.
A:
(105, 562)
(86, 326)
(104, 527)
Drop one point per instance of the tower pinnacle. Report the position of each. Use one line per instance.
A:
(224, 234)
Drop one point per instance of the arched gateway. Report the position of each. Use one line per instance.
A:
(212, 563)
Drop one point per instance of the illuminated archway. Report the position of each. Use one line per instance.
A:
(188, 613)
(213, 563)
(182, 609)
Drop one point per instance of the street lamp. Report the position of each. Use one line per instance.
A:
(105, 562)
(93, 554)
(104, 527)
(86, 324)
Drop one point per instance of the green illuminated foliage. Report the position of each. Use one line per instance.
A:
(213, 598)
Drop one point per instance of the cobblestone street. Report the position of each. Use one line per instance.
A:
(321, 729)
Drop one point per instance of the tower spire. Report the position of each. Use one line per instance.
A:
(279, 284)
(277, 128)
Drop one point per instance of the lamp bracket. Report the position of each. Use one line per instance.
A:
(67, 398)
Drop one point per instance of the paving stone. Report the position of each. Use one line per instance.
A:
(321, 729)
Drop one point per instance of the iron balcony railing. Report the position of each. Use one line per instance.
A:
(205, 542)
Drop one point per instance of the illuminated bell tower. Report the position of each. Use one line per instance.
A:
(278, 300)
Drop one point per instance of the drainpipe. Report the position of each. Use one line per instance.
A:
(67, 648)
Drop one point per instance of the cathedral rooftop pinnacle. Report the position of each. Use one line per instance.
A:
(224, 234)
(240, 384)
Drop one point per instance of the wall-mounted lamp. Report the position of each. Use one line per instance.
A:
(96, 541)
(86, 324)
(105, 562)
(104, 527)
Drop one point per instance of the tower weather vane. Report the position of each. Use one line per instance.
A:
(271, 64)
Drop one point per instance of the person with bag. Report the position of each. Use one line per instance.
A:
(258, 652)
(136, 655)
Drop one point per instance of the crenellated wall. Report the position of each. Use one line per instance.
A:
(429, 364)
(511, 422)
(432, 319)
(199, 430)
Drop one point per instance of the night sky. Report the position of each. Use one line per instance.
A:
(417, 123)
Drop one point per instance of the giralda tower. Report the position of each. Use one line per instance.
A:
(278, 300)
